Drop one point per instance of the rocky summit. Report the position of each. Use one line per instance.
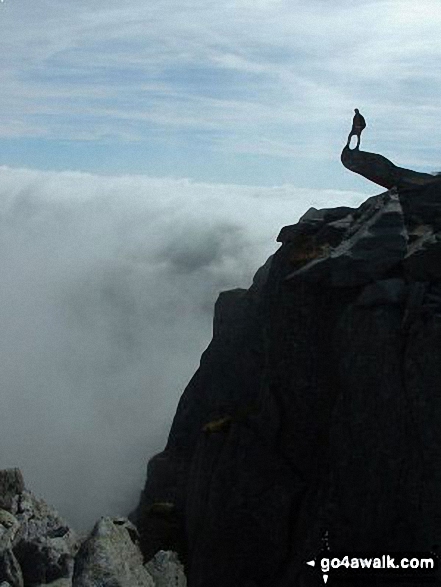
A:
(37, 547)
(313, 422)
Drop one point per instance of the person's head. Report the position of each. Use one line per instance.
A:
(356, 111)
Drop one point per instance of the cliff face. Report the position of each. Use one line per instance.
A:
(314, 418)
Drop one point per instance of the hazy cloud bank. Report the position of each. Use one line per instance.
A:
(106, 297)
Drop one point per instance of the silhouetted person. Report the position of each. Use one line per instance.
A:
(358, 124)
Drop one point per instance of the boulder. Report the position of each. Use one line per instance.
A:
(45, 546)
(110, 557)
(36, 544)
(11, 486)
(9, 527)
(10, 572)
(166, 570)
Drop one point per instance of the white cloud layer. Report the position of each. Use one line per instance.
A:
(106, 297)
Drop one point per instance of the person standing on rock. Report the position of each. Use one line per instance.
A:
(358, 124)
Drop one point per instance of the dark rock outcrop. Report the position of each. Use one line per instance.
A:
(383, 172)
(314, 418)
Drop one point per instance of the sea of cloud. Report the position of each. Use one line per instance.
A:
(106, 299)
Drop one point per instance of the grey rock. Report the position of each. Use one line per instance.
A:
(373, 244)
(10, 571)
(45, 545)
(343, 224)
(11, 486)
(9, 527)
(379, 243)
(36, 545)
(166, 570)
(110, 557)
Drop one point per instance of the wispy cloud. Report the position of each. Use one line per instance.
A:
(268, 70)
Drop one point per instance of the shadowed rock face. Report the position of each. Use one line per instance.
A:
(383, 172)
(316, 408)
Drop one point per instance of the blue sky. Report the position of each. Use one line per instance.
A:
(258, 93)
